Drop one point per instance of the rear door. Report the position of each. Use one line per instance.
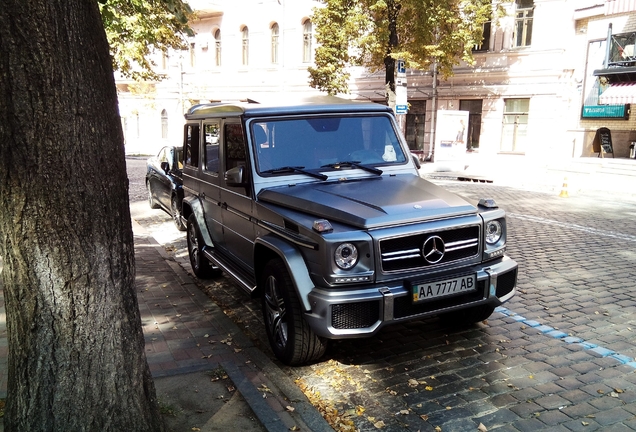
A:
(191, 159)
(210, 178)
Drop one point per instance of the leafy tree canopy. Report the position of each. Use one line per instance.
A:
(374, 33)
(137, 28)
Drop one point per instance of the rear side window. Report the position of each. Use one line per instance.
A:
(191, 145)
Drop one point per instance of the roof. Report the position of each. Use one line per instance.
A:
(309, 105)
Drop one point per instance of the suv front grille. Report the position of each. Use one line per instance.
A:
(406, 253)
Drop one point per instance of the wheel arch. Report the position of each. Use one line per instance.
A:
(192, 205)
(269, 247)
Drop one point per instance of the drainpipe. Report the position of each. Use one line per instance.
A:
(433, 114)
(608, 46)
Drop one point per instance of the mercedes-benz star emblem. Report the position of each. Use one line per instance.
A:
(433, 249)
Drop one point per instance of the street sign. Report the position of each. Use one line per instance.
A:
(401, 109)
(401, 68)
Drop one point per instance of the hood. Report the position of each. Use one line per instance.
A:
(371, 202)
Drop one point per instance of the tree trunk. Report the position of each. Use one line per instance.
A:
(76, 347)
(393, 10)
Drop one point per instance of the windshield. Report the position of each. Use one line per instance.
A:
(324, 143)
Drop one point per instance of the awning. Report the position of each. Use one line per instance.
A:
(619, 6)
(619, 94)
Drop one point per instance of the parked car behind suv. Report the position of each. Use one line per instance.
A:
(318, 209)
(164, 183)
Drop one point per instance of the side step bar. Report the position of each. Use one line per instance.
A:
(240, 276)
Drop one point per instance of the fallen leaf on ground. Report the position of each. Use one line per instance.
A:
(482, 428)
(404, 412)
(424, 417)
(290, 408)
(294, 428)
(379, 424)
(413, 383)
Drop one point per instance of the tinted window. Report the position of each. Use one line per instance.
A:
(192, 145)
(234, 146)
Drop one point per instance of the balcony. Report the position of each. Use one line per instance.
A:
(620, 59)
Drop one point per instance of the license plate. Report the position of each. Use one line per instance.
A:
(443, 288)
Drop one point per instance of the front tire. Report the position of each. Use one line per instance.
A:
(290, 337)
(151, 199)
(201, 267)
(176, 214)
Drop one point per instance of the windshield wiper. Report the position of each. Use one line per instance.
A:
(355, 164)
(297, 169)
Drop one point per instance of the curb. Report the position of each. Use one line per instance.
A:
(269, 417)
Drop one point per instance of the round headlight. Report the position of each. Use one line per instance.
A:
(346, 256)
(493, 232)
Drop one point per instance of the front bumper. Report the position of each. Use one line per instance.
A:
(347, 313)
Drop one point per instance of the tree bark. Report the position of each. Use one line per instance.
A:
(76, 346)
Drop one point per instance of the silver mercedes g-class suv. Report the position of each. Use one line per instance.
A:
(318, 208)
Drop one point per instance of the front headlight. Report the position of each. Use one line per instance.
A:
(346, 256)
(493, 232)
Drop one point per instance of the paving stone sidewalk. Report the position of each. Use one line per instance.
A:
(189, 340)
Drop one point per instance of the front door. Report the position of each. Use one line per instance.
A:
(236, 201)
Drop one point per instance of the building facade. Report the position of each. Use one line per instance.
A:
(533, 77)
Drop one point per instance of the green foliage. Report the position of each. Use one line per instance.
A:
(374, 33)
(137, 28)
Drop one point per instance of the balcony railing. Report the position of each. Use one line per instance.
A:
(621, 52)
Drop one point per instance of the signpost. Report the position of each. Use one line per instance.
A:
(401, 104)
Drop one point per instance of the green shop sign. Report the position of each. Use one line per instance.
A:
(605, 111)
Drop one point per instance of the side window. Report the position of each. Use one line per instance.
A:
(192, 145)
(211, 132)
(234, 143)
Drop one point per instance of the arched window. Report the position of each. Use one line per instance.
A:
(164, 124)
(307, 36)
(246, 46)
(217, 47)
(275, 32)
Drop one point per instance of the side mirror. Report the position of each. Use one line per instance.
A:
(234, 177)
(416, 161)
(165, 167)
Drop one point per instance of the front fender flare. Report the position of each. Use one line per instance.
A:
(295, 263)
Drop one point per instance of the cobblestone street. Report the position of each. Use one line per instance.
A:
(559, 356)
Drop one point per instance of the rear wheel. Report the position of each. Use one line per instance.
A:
(200, 264)
(176, 214)
(465, 317)
(290, 337)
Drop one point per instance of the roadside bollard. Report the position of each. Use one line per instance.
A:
(564, 189)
